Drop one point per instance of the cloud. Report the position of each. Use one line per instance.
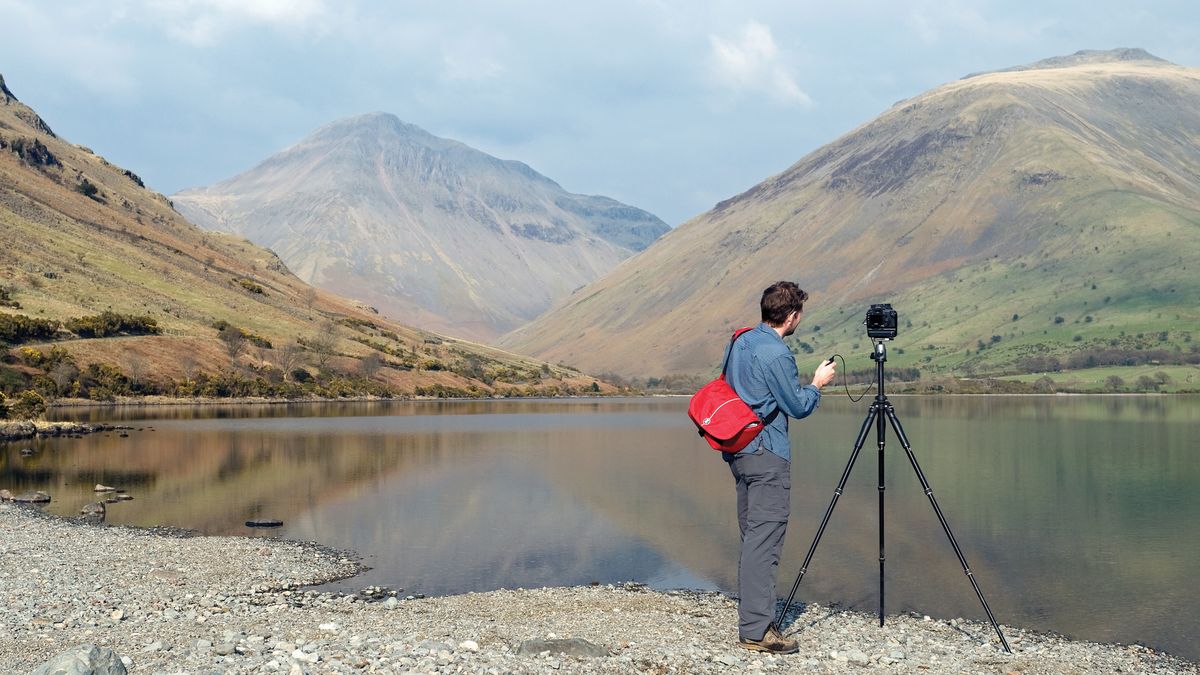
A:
(202, 23)
(752, 63)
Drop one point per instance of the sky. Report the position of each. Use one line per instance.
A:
(671, 106)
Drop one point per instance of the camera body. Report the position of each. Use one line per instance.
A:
(881, 322)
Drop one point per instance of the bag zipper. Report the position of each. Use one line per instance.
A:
(717, 409)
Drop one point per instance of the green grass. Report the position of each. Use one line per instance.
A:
(1084, 271)
(1182, 378)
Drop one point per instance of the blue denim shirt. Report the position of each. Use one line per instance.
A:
(762, 370)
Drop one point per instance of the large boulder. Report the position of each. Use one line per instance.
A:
(569, 647)
(84, 660)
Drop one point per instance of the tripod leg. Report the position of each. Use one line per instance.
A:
(891, 414)
(858, 444)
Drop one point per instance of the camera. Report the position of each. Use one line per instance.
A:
(881, 322)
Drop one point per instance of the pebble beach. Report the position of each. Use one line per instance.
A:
(169, 602)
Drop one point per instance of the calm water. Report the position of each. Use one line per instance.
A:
(1077, 514)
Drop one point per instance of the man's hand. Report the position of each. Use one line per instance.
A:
(825, 373)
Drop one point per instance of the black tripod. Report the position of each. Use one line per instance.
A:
(880, 408)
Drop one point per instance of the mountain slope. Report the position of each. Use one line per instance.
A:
(1051, 211)
(79, 237)
(425, 228)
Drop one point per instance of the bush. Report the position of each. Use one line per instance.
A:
(47, 360)
(87, 188)
(6, 299)
(27, 405)
(18, 328)
(107, 324)
(250, 286)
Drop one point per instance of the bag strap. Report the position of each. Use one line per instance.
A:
(729, 350)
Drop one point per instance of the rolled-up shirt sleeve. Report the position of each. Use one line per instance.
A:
(784, 382)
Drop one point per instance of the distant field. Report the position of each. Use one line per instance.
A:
(1179, 378)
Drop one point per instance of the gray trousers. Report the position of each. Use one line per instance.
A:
(764, 484)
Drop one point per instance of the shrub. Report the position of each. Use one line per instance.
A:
(27, 405)
(87, 188)
(47, 360)
(107, 324)
(6, 299)
(18, 328)
(250, 286)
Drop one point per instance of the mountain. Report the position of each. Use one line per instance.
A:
(426, 229)
(95, 266)
(1019, 221)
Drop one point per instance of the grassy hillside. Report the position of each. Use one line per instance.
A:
(1019, 221)
(81, 238)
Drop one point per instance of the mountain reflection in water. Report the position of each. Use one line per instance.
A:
(1077, 514)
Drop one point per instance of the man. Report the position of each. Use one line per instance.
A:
(762, 370)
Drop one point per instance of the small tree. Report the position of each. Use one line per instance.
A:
(235, 341)
(310, 297)
(370, 364)
(135, 367)
(289, 357)
(1114, 383)
(63, 376)
(322, 344)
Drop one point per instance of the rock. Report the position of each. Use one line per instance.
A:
(328, 626)
(35, 497)
(391, 603)
(857, 657)
(264, 523)
(6, 496)
(27, 452)
(84, 660)
(117, 614)
(122, 497)
(569, 647)
(728, 660)
(93, 509)
(103, 488)
(224, 649)
(468, 646)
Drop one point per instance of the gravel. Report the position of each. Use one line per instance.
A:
(170, 603)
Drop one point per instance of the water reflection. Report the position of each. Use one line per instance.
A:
(1077, 514)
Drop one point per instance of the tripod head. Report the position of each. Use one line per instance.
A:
(879, 353)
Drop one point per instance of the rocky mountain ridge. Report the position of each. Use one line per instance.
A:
(424, 228)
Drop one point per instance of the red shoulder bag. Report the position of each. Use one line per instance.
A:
(720, 415)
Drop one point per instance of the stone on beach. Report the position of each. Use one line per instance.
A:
(103, 488)
(569, 647)
(84, 660)
(93, 509)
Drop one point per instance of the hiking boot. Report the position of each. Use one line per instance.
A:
(772, 641)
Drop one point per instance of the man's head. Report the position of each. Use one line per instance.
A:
(781, 305)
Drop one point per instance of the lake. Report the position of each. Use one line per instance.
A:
(1079, 515)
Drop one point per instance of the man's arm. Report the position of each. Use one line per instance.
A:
(784, 381)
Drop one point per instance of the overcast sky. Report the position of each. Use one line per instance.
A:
(669, 106)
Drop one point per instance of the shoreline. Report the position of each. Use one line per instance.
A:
(170, 600)
(159, 401)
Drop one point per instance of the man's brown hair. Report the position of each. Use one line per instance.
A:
(780, 299)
